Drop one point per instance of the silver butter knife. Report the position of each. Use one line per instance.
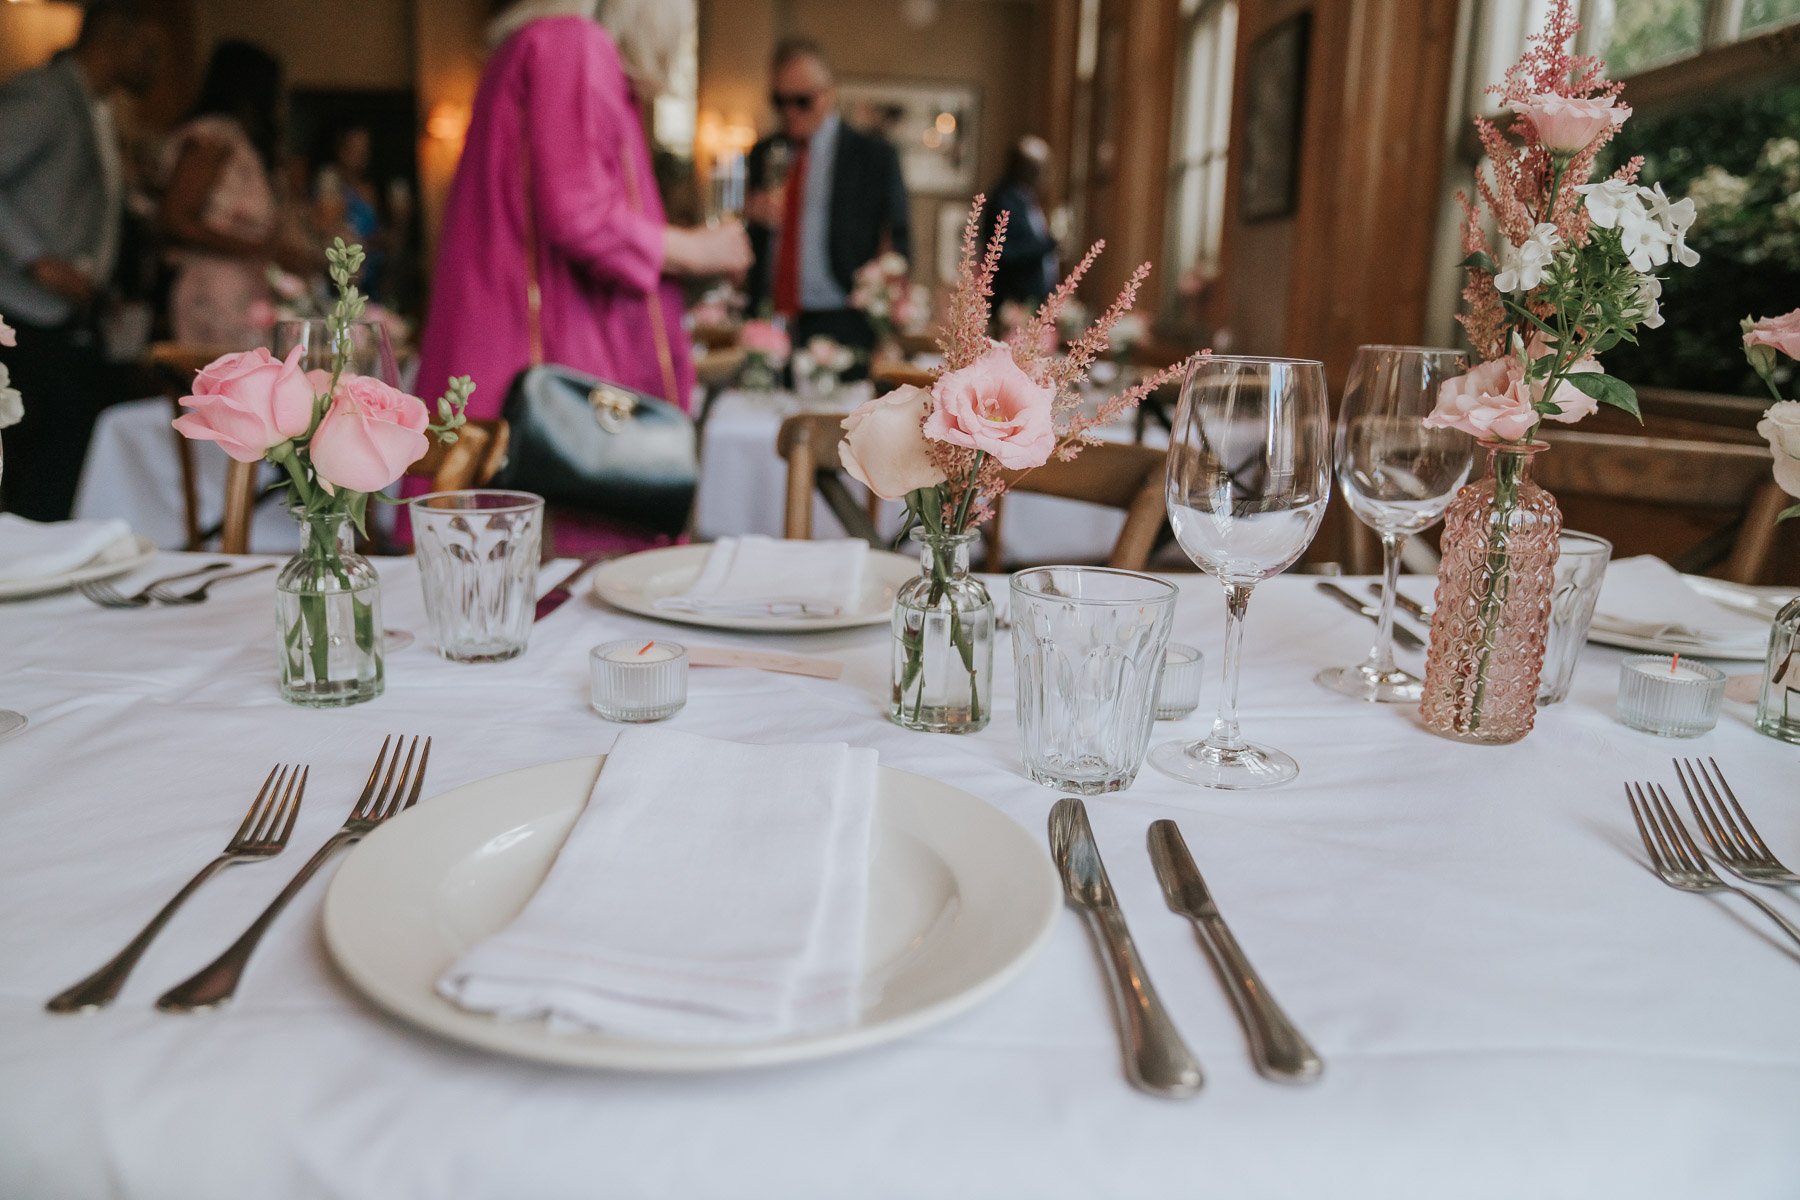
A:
(1407, 604)
(1156, 1059)
(1276, 1047)
(1402, 634)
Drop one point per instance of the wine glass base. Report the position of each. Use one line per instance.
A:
(1242, 769)
(1363, 682)
(395, 640)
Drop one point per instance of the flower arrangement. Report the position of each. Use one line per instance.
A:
(883, 291)
(1763, 341)
(766, 349)
(12, 404)
(995, 411)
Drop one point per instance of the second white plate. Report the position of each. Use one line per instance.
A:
(637, 581)
(126, 554)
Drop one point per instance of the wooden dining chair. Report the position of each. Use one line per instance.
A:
(887, 375)
(809, 444)
(1674, 474)
(173, 365)
(470, 461)
(1114, 474)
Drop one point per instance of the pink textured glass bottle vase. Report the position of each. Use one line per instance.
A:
(1493, 602)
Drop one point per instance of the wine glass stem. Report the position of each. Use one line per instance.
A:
(1381, 658)
(1225, 726)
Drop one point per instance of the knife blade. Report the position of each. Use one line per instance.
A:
(1408, 605)
(1402, 634)
(1156, 1059)
(559, 595)
(1277, 1049)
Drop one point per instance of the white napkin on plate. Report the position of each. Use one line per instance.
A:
(710, 891)
(756, 576)
(41, 549)
(1646, 597)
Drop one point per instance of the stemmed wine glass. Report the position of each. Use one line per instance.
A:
(1249, 478)
(1398, 478)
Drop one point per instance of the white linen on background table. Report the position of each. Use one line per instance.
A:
(756, 576)
(1508, 1004)
(710, 891)
(39, 549)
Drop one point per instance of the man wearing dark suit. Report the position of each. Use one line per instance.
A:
(61, 200)
(824, 200)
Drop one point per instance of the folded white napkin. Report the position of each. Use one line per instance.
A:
(41, 549)
(761, 576)
(1646, 597)
(711, 891)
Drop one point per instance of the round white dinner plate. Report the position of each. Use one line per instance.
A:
(126, 554)
(1761, 602)
(637, 581)
(960, 898)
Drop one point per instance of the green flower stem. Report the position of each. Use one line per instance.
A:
(1509, 466)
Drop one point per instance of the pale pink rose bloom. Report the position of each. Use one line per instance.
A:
(1572, 404)
(369, 435)
(319, 379)
(248, 403)
(884, 445)
(765, 338)
(7, 336)
(1781, 426)
(1781, 333)
(1491, 401)
(1567, 125)
(993, 406)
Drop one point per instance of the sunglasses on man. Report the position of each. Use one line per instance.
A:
(800, 101)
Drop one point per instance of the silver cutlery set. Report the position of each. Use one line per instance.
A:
(163, 591)
(1403, 636)
(393, 786)
(1156, 1059)
(1730, 839)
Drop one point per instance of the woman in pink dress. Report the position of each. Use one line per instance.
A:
(557, 125)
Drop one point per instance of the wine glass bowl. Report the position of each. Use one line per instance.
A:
(1249, 478)
(1398, 477)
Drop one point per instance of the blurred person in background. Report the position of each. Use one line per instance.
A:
(556, 155)
(1028, 267)
(347, 204)
(62, 188)
(824, 200)
(221, 216)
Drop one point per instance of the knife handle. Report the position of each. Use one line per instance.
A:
(1276, 1047)
(1156, 1059)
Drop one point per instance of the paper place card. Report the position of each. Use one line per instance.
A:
(764, 660)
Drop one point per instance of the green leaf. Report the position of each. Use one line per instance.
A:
(1480, 261)
(1607, 390)
(1792, 510)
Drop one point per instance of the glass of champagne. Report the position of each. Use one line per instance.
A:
(1249, 479)
(1398, 478)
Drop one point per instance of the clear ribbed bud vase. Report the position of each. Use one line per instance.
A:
(1493, 603)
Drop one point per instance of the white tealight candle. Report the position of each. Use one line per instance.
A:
(638, 681)
(1178, 693)
(1665, 696)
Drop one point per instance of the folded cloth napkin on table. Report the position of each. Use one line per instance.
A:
(1646, 597)
(710, 891)
(762, 576)
(40, 549)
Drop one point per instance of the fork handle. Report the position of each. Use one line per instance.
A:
(216, 982)
(102, 987)
(1787, 926)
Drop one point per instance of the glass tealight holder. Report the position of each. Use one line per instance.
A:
(1668, 697)
(636, 681)
(1179, 692)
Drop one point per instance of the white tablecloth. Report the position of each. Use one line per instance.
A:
(1508, 1004)
(743, 489)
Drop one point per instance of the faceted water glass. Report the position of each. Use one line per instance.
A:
(1089, 645)
(1580, 570)
(478, 561)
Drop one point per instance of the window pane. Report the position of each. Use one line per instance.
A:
(1761, 14)
(1645, 33)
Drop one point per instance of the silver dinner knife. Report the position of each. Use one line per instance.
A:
(1402, 634)
(1276, 1047)
(1156, 1059)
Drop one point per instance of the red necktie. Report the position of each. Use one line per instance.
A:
(787, 254)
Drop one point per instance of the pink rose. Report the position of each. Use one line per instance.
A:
(884, 445)
(1567, 125)
(993, 406)
(765, 338)
(1572, 404)
(7, 336)
(369, 435)
(1781, 333)
(1491, 401)
(248, 403)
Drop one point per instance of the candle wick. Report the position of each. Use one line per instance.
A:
(645, 648)
(1674, 663)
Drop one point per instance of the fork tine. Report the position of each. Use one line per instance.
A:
(1690, 850)
(298, 793)
(1666, 850)
(1751, 836)
(362, 803)
(271, 813)
(1637, 815)
(256, 804)
(391, 799)
(419, 779)
(1716, 835)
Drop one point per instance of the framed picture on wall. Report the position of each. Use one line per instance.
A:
(1272, 121)
(934, 126)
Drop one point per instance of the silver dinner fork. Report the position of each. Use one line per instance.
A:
(1729, 833)
(382, 797)
(262, 835)
(1675, 858)
(103, 593)
(169, 595)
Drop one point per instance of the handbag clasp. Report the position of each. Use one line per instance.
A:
(612, 407)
